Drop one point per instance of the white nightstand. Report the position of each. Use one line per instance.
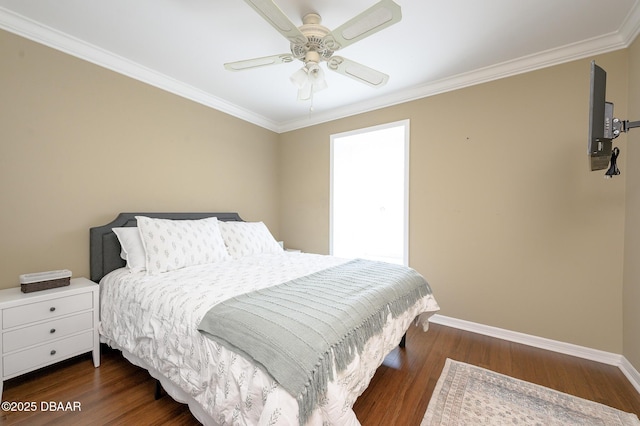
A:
(44, 327)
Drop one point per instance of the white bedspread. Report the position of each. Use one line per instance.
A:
(155, 319)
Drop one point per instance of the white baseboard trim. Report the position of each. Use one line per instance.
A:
(632, 374)
(543, 343)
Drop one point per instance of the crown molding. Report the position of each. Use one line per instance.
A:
(630, 27)
(617, 40)
(584, 49)
(50, 37)
(47, 36)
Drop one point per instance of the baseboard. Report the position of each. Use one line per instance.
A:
(632, 374)
(543, 343)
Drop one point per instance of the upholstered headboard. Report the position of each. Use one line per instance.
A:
(104, 247)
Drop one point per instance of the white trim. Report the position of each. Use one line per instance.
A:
(39, 33)
(632, 374)
(55, 39)
(543, 343)
(407, 144)
(630, 28)
(407, 182)
(584, 49)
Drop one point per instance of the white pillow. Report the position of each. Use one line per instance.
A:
(248, 238)
(175, 244)
(132, 248)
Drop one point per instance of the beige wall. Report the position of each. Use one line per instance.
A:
(79, 143)
(631, 290)
(502, 204)
(506, 221)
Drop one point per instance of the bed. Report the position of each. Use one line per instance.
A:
(156, 311)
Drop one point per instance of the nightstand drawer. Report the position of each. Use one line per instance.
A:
(53, 308)
(44, 332)
(47, 353)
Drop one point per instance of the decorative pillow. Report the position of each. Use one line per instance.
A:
(132, 248)
(248, 238)
(175, 244)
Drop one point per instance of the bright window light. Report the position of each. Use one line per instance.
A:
(369, 193)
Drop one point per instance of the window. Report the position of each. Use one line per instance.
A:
(369, 193)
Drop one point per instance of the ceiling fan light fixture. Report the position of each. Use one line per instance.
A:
(309, 80)
(305, 93)
(299, 78)
(313, 43)
(316, 77)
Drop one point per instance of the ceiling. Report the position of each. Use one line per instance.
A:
(181, 46)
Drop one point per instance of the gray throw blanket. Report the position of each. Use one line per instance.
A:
(303, 331)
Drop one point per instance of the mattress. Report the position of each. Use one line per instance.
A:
(154, 321)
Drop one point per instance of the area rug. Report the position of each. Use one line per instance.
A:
(470, 395)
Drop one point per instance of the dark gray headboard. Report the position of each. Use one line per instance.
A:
(104, 247)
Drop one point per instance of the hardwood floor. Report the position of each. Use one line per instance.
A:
(401, 388)
(119, 393)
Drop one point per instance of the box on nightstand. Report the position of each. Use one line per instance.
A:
(44, 280)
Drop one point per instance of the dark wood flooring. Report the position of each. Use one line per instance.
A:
(119, 393)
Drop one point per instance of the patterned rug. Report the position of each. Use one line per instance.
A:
(469, 395)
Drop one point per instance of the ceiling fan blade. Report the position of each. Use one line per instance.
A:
(271, 13)
(259, 62)
(357, 71)
(376, 18)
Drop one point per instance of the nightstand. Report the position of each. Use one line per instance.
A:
(48, 326)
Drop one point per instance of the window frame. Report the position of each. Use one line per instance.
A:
(407, 137)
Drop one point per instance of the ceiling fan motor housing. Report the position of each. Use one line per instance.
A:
(315, 34)
(312, 43)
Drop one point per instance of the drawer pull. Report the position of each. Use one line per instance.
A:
(53, 308)
(53, 330)
(53, 352)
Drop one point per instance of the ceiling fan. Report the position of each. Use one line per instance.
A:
(313, 43)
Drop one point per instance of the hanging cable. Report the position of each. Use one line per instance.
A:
(613, 168)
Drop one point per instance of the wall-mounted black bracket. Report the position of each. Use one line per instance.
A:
(630, 125)
(620, 126)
